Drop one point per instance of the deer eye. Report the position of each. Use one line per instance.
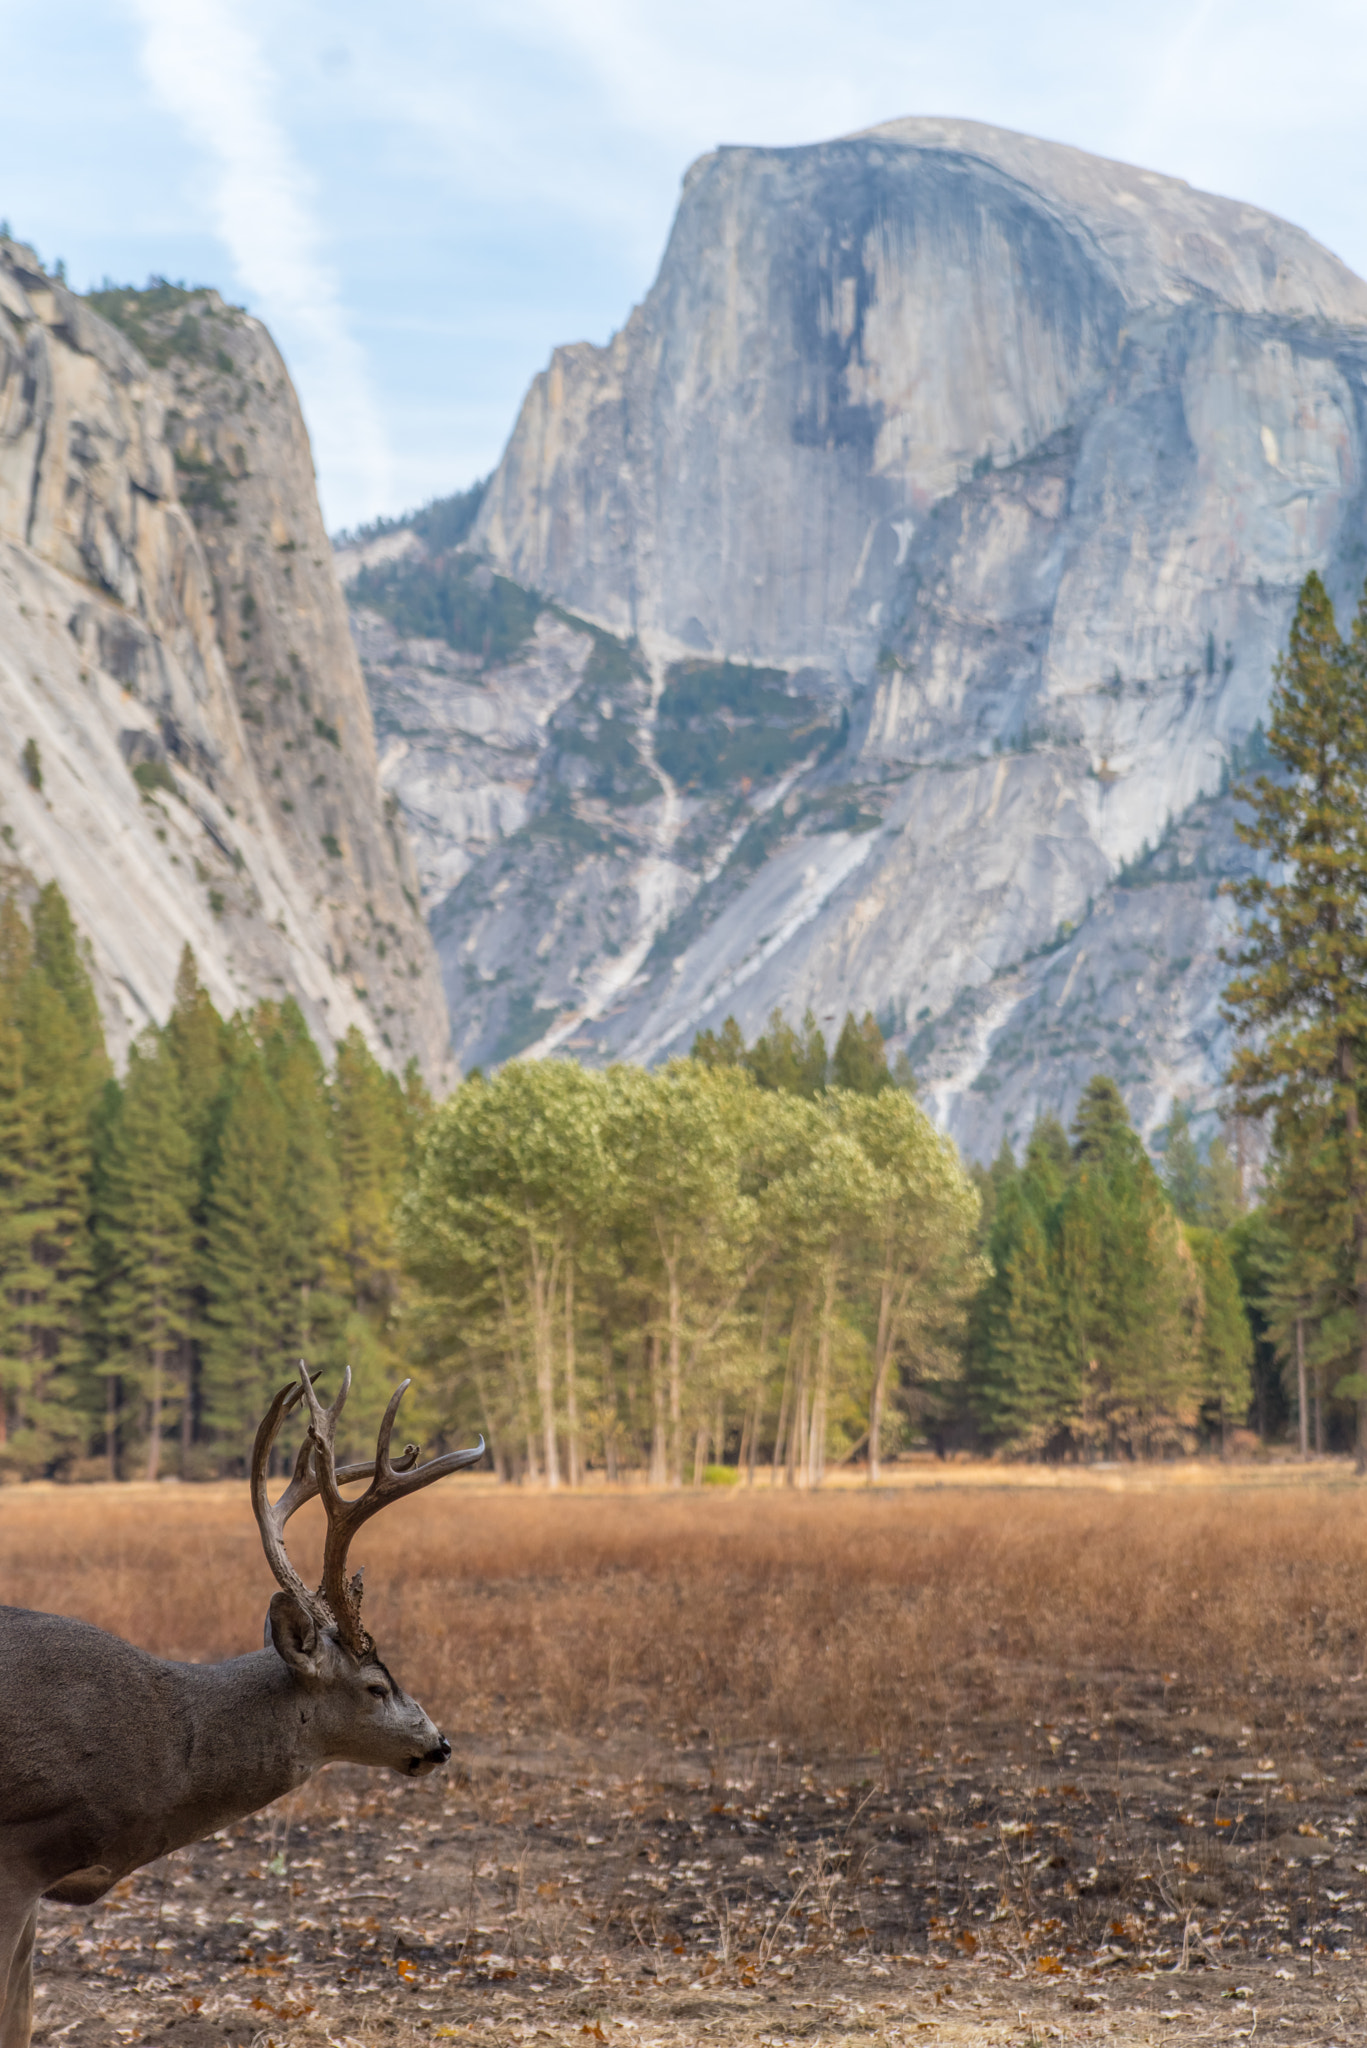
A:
(378, 1692)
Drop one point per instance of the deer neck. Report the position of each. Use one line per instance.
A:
(248, 1736)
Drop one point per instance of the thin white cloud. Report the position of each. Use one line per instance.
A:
(206, 68)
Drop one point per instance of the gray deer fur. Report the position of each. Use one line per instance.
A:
(110, 1758)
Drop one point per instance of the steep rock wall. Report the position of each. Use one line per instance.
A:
(1018, 457)
(173, 641)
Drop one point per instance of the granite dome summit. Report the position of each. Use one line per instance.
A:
(1001, 464)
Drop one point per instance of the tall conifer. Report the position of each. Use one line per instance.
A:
(1300, 991)
(148, 1188)
(246, 1270)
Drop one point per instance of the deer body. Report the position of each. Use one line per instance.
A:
(110, 1757)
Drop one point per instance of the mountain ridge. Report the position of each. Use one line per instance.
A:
(190, 754)
(1010, 459)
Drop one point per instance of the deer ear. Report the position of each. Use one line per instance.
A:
(294, 1635)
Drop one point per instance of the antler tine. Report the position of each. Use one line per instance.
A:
(303, 1486)
(390, 1480)
(271, 1520)
(382, 1465)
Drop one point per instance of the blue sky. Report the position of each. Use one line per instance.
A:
(422, 200)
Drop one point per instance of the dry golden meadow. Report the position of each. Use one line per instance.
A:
(984, 1758)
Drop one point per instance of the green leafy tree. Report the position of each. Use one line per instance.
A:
(918, 1246)
(511, 1170)
(1299, 992)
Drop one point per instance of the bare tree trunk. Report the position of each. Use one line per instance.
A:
(699, 1456)
(1300, 1388)
(1319, 1411)
(111, 1427)
(882, 1358)
(756, 1411)
(816, 1449)
(571, 1390)
(526, 1427)
(797, 1435)
(609, 1412)
(675, 1373)
(543, 1292)
(187, 1409)
(659, 1468)
(781, 1432)
(154, 1432)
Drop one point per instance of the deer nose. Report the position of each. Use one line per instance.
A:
(441, 1754)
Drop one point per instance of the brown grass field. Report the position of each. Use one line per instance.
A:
(976, 1759)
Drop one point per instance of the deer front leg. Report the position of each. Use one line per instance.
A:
(17, 1930)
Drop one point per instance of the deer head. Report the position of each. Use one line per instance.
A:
(356, 1711)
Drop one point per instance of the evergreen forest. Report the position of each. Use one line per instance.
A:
(758, 1261)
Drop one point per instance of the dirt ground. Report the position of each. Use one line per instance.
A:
(988, 1761)
(1149, 1877)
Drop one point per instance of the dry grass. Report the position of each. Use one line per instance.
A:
(1118, 1737)
(838, 1624)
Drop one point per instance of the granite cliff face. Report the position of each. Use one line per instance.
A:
(999, 463)
(174, 644)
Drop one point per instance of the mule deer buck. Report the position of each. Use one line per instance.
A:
(110, 1758)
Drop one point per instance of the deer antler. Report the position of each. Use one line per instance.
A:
(337, 1602)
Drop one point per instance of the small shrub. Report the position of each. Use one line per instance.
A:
(216, 902)
(153, 775)
(331, 847)
(721, 1475)
(33, 767)
(327, 732)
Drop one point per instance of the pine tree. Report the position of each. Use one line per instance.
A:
(18, 1152)
(371, 1139)
(1183, 1174)
(724, 1048)
(791, 1062)
(61, 1069)
(200, 1047)
(859, 1062)
(63, 962)
(1025, 1385)
(1128, 1285)
(311, 1192)
(246, 1267)
(148, 1187)
(1226, 1341)
(1299, 995)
